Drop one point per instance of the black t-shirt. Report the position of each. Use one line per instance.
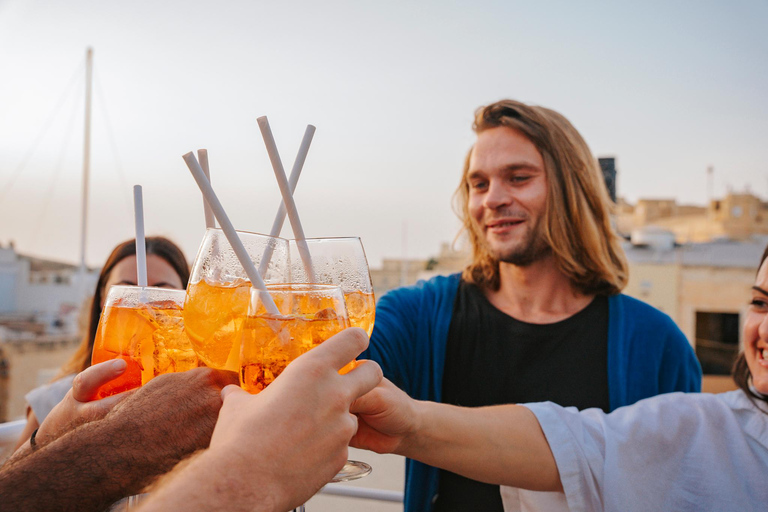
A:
(492, 358)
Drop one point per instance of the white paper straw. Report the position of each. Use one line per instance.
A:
(277, 225)
(141, 244)
(282, 181)
(229, 232)
(202, 155)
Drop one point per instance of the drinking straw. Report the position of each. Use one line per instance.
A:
(141, 244)
(229, 232)
(277, 225)
(282, 181)
(202, 155)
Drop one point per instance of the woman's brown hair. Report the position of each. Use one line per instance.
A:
(577, 225)
(156, 245)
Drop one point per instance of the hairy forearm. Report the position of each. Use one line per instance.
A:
(210, 481)
(502, 444)
(87, 469)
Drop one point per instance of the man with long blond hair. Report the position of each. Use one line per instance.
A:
(538, 314)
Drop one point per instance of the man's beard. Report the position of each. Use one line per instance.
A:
(532, 248)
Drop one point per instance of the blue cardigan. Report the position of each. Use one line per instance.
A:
(647, 355)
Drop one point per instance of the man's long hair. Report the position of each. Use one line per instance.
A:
(576, 225)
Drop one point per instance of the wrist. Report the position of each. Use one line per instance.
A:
(414, 429)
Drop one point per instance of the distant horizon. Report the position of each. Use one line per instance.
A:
(4, 244)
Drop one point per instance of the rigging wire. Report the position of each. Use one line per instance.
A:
(113, 145)
(56, 173)
(25, 160)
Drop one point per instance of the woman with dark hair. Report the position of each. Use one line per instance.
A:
(677, 451)
(166, 268)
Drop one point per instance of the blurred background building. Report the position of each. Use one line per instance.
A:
(40, 302)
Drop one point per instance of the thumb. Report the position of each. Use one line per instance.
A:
(88, 381)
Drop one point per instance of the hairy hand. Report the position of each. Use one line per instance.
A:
(170, 417)
(386, 419)
(77, 406)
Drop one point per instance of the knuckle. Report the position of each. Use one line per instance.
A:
(77, 381)
(349, 427)
(359, 337)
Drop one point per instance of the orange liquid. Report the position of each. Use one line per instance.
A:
(172, 348)
(270, 343)
(361, 308)
(213, 318)
(150, 338)
(124, 333)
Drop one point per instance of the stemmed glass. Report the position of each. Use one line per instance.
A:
(309, 315)
(219, 291)
(144, 327)
(341, 262)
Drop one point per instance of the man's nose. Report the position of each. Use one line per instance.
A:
(497, 196)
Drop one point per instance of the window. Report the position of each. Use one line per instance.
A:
(717, 341)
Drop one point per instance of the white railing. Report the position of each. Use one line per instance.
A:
(362, 492)
(9, 434)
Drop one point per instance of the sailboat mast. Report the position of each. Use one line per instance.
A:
(86, 154)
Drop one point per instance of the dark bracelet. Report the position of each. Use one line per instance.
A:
(32, 439)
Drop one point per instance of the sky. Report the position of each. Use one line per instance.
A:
(668, 88)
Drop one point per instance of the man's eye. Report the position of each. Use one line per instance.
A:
(478, 185)
(519, 178)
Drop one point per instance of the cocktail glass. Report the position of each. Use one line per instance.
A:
(144, 327)
(341, 262)
(309, 315)
(219, 291)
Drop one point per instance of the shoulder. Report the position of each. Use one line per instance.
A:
(638, 315)
(432, 289)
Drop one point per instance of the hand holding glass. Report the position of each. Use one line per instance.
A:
(144, 327)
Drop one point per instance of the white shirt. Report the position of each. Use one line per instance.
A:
(44, 398)
(673, 452)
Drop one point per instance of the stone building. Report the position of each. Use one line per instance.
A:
(40, 302)
(735, 217)
(704, 287)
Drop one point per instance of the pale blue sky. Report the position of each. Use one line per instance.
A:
(668, 87)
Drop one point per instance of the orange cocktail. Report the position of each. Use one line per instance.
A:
(218, 293)
(145, 328)
(309, 315)
(340, 262)
(214, 316)
(361, 307)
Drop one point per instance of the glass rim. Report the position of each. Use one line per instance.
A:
(304, 287)
(332, 238)
(143, 295)
(148, 288)
(243, 232)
